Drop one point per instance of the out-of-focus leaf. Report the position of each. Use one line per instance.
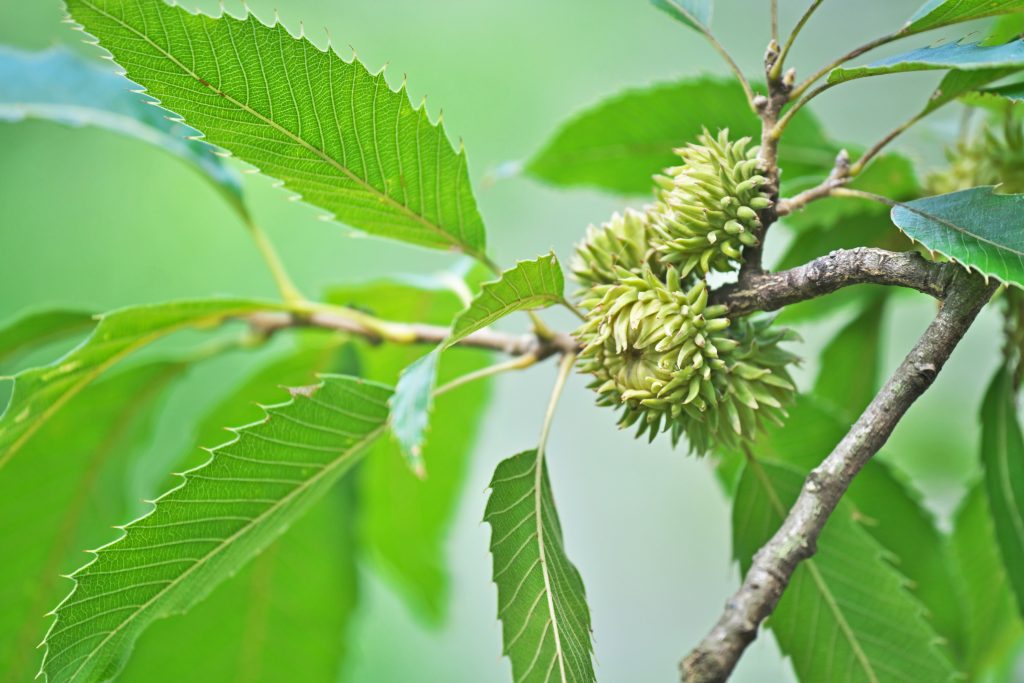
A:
(63, 496)
(541, 600)
(58, 85)
(222, 514)
(405, 520)
(38, 328)
(1002, 454)
(620, 143)
(990, 623)
(40, 392)
(938, 13)
(694, 13)
(330, 130)
(957, 56)
(976, 228)
(847, 614)
(284, 617)
(411, 406)
(851, 363)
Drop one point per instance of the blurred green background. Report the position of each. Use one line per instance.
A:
(91, 219)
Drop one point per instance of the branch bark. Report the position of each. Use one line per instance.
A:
(713, 660)
(760, 291)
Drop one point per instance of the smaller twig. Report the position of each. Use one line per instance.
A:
(780, 127)
(740, 76)
(881, 144)
(839, 176)
(777, 69)
(520, 363)
(775, 20)
(852, 54)
(285, 286)
(568, 360)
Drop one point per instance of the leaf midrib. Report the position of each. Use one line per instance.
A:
(353, 451)
(957, 228)
(538, 498)
(436, 229)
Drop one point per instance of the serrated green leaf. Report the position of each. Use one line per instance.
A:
(411, 406)
(1013, 92)
(938, 13)
(1002, 454)
(40, 392)
(950, 56)
(38, 328)
(694, 13)
(847, 614)
(222, 514)
(541, 600)
(977, 228)
(990, 624)
(619, 143)
(530, 285)
(405, 521)
(57, 85)
(284, 616)
(64, 495)
(330, 130)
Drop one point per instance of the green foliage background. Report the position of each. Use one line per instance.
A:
(91, 219)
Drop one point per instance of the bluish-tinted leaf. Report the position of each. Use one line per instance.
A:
(694, 13)
(619, 143)
(978, 228)
(411, 406)
(960, 56)
(58, 85)
(330, 130)
(937, 13)
(541, 600)
(847, 614)
(1002, 453)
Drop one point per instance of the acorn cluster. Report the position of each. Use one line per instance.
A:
(655, 346)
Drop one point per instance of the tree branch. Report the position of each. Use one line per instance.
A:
(714, 658)
(413, 333)
(824, 275)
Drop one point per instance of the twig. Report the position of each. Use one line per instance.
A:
(516, 363)
(852, 54)
(775, 20)
(824, 275)
(777, 69)
(881, 144)
(839, 176)
(285, 286)
(715, 657)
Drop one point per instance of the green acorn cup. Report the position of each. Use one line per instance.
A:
(667, 357)
(622, 242)
(707, 208)
(988, 159)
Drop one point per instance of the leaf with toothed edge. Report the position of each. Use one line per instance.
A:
(58, 85)
(948, 57)
(541, 600)
(937, 13)
(40, 392)
(329, 130)
(977, 228)
(529, 285)
(37, 328)
(694, 13)
(221, 515)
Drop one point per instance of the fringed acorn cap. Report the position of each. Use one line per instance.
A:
(707, 209)
(653, 348)
(622, 242)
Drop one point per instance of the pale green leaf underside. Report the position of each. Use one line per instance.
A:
(937, 13)
(541, 600)
(694, 13)
(40, 392)
(1002, 454)
(529, 285)
(620, 142)
(977, 228)
(411, 406)
(37, 328)
(958, 56)
(57, 85)
(201, 532)
(330, 130)
(847, 615)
